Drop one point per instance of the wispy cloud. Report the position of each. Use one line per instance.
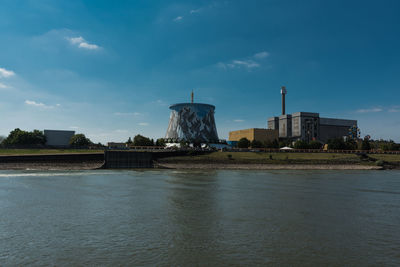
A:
(179, 18)
(261, 55)
(238, 120)
(393, 110)
(159, 102)
(248, 63)
(143, 123)
(6, 73)
(370, 110)
(74, 127)
(38, 104)
(82, 43)
(194, 11)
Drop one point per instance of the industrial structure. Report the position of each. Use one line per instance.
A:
(192, 122)
(258, 134)
(58, 138)
(308, 126)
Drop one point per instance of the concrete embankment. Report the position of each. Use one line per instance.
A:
(70, 161)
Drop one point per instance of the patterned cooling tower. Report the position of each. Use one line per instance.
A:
(192, 122)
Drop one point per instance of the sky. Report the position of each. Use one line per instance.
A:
(111, 69)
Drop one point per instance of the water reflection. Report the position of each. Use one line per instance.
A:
(193, 217)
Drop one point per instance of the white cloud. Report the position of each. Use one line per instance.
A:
(238, 120)
(88, 46)
(248, 64)
(194, 11)
(369, 110)
(179, 18)
(261, 55)
(6, 73)
(82, 43)
(393, 110)
(37, 104)
(143, 123)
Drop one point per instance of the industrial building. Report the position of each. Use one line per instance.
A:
(257, 134)
(308, 126)
(192, 122)
(58, 138)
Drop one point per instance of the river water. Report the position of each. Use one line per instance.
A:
(202, 218)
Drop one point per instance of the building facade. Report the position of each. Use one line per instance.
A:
(257, 134)
(58, 138)
(192, 122)
(309, 126)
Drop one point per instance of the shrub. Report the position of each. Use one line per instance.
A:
(243, 143)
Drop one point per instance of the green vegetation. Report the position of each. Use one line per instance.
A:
(284, 158)
(140, 140)
(79, 140)
(160, 142)
(243, 143)
(20, 138)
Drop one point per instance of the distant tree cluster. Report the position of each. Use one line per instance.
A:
(301, 144)
(79, 141)
(341, 144)
(245, 143)
(20, 138)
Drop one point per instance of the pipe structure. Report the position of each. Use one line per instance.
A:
(283, 93)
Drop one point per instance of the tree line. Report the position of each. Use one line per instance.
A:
(335, 143)
(18, 138)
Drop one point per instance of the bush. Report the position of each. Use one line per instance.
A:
(336, 143)
(243, 143)
(380, 163)
(22, 138)
(365, 145)
(315, 145)
(256, 144)
(300, 144)
(140, 140)
(79, 140)
(160, 142)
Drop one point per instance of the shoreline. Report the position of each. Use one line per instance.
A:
(219, 166)
(64, 166)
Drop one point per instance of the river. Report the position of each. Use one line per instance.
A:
(202, 218)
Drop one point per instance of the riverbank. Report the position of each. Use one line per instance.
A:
(211, 166)
(61, 166)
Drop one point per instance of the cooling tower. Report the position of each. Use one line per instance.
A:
(192, 122)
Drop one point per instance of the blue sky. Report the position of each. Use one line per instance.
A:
(110, 69)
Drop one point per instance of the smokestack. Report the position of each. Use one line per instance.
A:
(192, 96)
(283, 93)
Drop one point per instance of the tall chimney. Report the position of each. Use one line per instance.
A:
(192, 96)
(283, 93)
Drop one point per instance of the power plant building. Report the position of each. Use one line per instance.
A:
(257, 134)
(192, 122)
(58, 138)
(308, 126)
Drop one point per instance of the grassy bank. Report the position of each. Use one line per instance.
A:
(284, 158)
(9, 152)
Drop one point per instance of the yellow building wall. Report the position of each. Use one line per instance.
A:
(254, 134)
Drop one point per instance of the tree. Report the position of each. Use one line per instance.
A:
(129, 142)
(140, 140)
(256, 144)
(314, 144)
(20, 138)
(336, 143)
(300, 144)
(79, 140)
(365, 145)
(160, 142)
(243, 143)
